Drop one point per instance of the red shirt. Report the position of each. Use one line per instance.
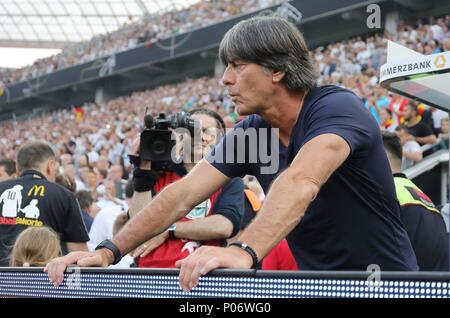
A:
(171, 251)
(280, 258)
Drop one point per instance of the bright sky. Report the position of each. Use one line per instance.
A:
(19, 57)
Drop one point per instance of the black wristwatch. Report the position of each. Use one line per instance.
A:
(171, 231)
(113, 248)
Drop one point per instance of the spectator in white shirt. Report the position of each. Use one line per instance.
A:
(412, 152)
(102, 227)
(437, 115)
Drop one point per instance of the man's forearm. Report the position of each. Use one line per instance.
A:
(154, 218)
(139, 201)
(213, 227)
(283, 209)
(415, 156)
(426, 140)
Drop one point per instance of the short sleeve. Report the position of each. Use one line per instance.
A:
(230, 203)
(74, 229)
(226, 157)
(425, 130)
(413, 146)
(342, 114)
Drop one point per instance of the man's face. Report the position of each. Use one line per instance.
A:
(110, 188)
(103, 163)
(384, 115)
(249, 86)
(408, 113)
(378, 91)
(82, 161)
(116, 173)
(66, 159)
(401, 134)
(70, 171)
(83, 173)
(209, 134)
(91, 179)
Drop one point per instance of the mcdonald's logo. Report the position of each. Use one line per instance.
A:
(38, 190)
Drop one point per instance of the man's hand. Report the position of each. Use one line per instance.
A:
(145, 165)
(150, 245)
(207, 258)
(56, 268)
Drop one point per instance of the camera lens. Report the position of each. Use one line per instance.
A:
(158, 147)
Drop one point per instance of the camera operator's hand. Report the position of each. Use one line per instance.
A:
(145, 164)
(150, 245)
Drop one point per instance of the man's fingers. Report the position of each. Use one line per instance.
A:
(195, 275)
(183, 272)
(210, 265)
(56, 273)
(72, 258)
(190, 268)
(152, 245)
(56, 268)
(203, 267)
(138, 252)
(147, 251)
(60, 274)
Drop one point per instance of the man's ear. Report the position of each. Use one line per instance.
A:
(48, 168)
(277, 76)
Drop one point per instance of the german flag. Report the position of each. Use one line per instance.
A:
(79, 113)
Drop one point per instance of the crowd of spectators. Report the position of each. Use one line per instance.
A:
(148, 29)
(355, 64)
(103, 132)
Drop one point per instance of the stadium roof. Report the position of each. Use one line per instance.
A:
(56, 23)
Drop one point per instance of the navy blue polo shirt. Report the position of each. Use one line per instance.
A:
(355, 219)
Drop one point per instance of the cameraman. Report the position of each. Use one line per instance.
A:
(209, 223)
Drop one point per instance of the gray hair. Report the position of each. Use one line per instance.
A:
(31, 154)
(274, 44)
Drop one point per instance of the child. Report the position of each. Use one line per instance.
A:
(36, 246)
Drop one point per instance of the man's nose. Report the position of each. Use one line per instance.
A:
(228, 77)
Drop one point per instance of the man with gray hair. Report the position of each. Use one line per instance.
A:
(34, 199)
(332, 195)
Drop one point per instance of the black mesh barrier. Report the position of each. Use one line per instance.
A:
(148, 283)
